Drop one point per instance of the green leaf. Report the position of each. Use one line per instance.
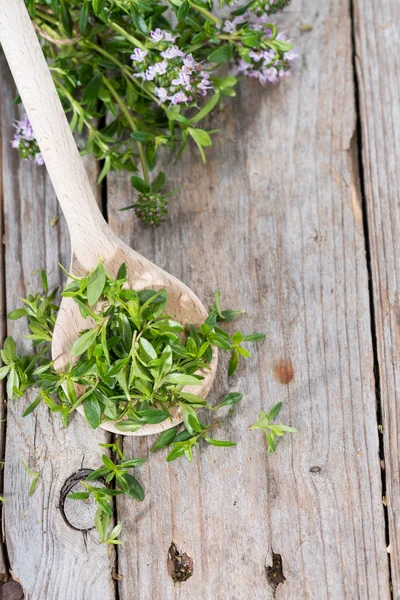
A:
(182, 379)
(192, 399)
(91, 91)
(140, 185)
(10, 348)
(183, 10)
(158, 182)
(97, 474)
(130, 486)
(200, 136)
(230, 399)
(147, 350)
(233, 363)
(122, 272)
(96, 283)
(274, 412)
(164, 439)
(4, 371)
(32, 406)
(128, 425)
(79, 496)
(222, 54)
(221, 443)
(66, 19)
(207, 108)
(17, 314)
(142, 136)
(107, 462)
(168, 325)
(91, 408)
(230, 315)
(175, 453)
(132, 463)
(84, 342)
(254, 337)
(83, 17)
(151, 415)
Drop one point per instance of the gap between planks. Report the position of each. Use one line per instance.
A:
(361, 173)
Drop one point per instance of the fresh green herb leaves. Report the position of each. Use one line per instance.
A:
(272, 430)
(110, 473)
(133, 363)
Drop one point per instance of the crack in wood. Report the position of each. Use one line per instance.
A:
(358, 159)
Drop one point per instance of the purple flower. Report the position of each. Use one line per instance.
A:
(255, 55)
(25, 142)
(139, 55)
(189, 64)
(161, 94)
(157, 35)
(178, 98)
(172, 52)
(161, 67)
(182, 79)
(177, 78)
(168, 37)
(229, 26)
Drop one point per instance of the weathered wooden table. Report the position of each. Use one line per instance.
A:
(296, 218)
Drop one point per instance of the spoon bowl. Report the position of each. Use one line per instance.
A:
(91, 236)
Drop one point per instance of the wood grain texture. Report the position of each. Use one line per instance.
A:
(274, 221)
(47, 557)
(3, 318)
(378, 47)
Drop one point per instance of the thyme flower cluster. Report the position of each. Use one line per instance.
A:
(177, 77)
(25, 142)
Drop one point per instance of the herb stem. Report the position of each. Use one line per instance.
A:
(206, 13)
(131, 123)
(126, 35)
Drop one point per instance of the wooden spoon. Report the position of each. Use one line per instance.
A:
(91, 236)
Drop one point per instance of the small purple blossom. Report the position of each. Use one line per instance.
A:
(25, 142)
(178, 98)
(159, 35)
(161, 94)
(172, 52)
(139, 55)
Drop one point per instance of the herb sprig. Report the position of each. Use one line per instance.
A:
(134, 81)
(133, 363)
(272, 430)
(110, 472)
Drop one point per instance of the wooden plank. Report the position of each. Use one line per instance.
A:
(3, 559)
(274, 221)
(378, 86)
(48, 558)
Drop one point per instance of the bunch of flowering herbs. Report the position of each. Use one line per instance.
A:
(135, 81)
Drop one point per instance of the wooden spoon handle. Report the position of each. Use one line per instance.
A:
(45, 112)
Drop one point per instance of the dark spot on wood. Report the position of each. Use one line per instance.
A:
(72, 484)
(11, 590)
(284, 372)
(315, 470)
(275, 574)
(180, 564)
